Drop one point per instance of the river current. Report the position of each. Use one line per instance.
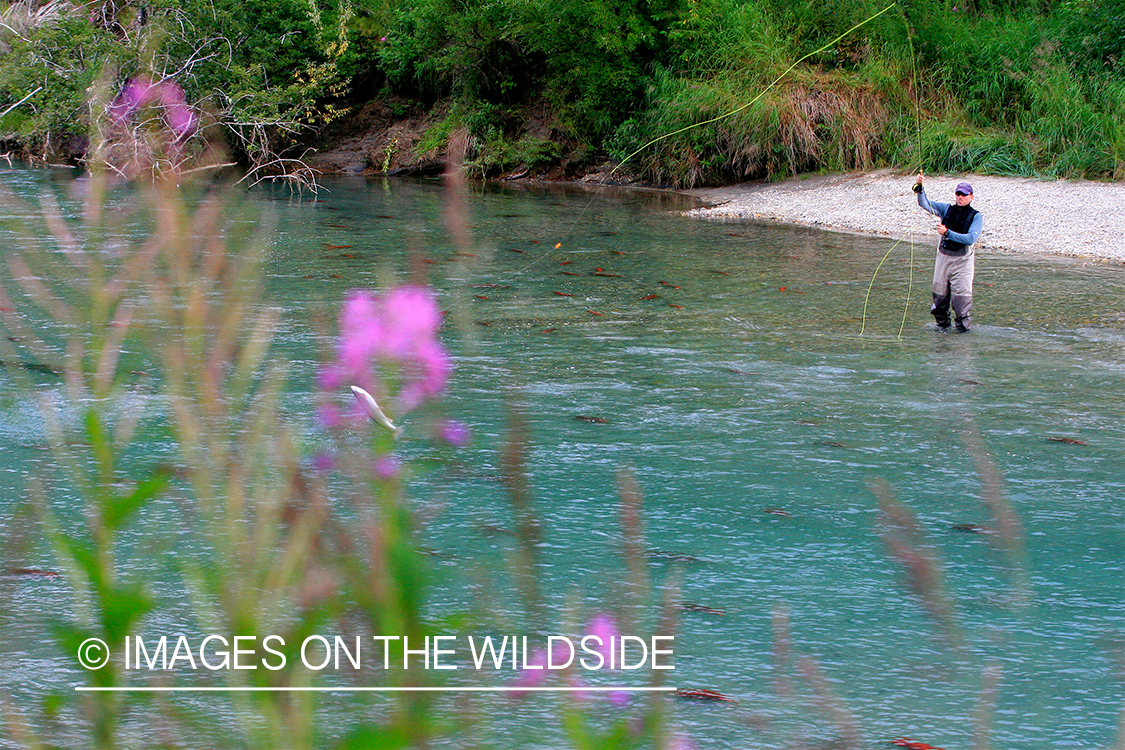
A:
(722, 365)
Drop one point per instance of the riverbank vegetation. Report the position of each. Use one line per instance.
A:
(684, 92)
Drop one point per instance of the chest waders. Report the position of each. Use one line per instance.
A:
(953, 271)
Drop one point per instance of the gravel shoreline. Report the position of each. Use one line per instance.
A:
(1083, 219)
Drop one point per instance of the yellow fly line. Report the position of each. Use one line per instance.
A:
(749, 104)
(918, 131)
(762, 93)
(736, 110)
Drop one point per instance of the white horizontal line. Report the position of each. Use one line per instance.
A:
(148, 689)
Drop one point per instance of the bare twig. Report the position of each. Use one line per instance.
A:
(633, 544)
(456, 215)
(986, 706)
(842, 719)
(21, 101)
(529, 533)
(1010, 536)
(907, 546)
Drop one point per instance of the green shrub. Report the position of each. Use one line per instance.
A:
(1000, 85)
(494, 154)
(470, 49)
(265, 68)
(57, 64)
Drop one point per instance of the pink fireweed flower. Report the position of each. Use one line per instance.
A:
(537, 668)
(386, 468)
(535, 673)
(329, 416)
(600, 636)
(132, 97)
(396, 330)
(454, 433)
(140, 91)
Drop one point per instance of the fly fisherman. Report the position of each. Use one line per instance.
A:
(953, 272)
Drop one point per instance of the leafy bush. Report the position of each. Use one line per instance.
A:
(475, 49)
(265, 69)
(613, 75)
(54, 65)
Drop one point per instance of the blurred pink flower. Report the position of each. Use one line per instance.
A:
(454, 433)
(535, 672)
(604, 630)
(387, 467)
(397, 329)
(680, 742)
(140, 91)
(132, 97)
(329, 416)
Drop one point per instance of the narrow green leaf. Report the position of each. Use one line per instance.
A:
(374, 738)
(121, 508)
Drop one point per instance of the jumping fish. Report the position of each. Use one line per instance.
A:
(367, 401)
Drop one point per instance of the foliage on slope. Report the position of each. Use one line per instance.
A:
(1005, 86)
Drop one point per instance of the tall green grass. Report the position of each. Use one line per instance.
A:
(931, 88)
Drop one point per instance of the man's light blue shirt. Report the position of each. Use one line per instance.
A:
(940, 209)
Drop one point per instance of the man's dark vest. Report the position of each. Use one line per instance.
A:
(957, 219)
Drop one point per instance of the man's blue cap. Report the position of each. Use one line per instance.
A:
(964, 187)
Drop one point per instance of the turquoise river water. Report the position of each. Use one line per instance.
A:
(722, 364)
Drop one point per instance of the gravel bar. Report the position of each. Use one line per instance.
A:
(1083, 219)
